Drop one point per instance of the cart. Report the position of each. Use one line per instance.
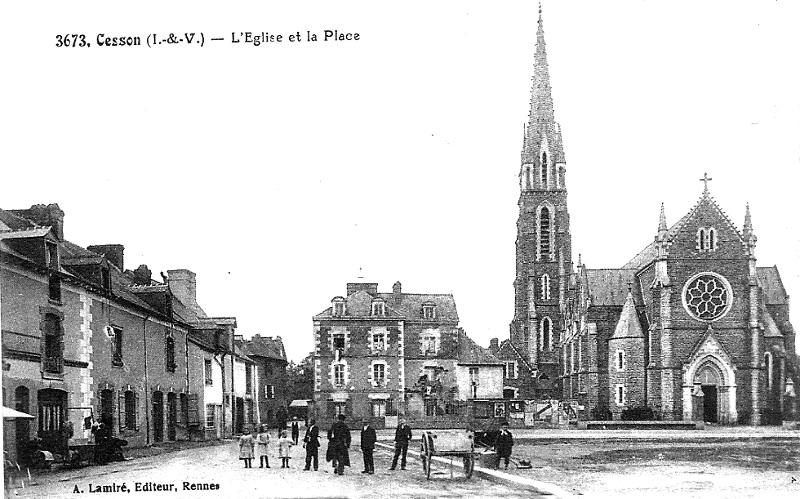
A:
(453, 443)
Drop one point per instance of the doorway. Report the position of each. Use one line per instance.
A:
(710, 411)
(172, 416)
(239, 427)
(23, 426)
(158, 417)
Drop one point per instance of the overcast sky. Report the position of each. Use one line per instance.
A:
(276, 172)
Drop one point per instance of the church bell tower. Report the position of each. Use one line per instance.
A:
(544, 244)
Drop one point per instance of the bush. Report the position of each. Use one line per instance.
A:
(600, 414)
(638, 413)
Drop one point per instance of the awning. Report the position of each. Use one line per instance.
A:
(9, 413)
(299, 403)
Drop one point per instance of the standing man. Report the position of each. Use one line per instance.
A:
(311, 443)
(503, 444)
(295, 431)
(401, 438)
(368, 439)
(338, 445)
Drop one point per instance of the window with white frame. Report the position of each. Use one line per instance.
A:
(211, 416)
(473, 381)
(379, 374)
(429, 343)
(338, 307)
(378, 341)
(510, 369)
(339, 375)
(429, 311)
(378, 308)
(378, 408)
(269, 391)
(619, 393)
(620, 360)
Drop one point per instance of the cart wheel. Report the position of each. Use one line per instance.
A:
(427, 459)
(469, 465)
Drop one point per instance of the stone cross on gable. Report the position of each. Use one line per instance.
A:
(705, 181)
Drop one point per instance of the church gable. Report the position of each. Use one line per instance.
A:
(706, 232)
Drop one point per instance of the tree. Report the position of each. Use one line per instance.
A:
(301, 378)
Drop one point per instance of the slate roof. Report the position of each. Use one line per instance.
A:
(609, 287)
(771, 283)
(628, 325)
(470, 352)
(403, 306)
(265, 346)
(648, 254)
(11, 221)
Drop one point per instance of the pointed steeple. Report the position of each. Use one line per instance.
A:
(748, 234)
(542, 127)
(662, 224)
(748, 222)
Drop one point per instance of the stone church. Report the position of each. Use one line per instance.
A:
(690, 327)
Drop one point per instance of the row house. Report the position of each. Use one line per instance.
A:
(85, 341)
(269, 356)
(381, 356)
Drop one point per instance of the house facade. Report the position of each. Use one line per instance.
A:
(85, 341)
(382, 356)
(269, 356)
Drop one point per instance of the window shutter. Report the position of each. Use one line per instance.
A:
(136, 411)
(194, 413)
(121, 410)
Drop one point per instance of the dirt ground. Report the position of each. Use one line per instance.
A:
(768, 467)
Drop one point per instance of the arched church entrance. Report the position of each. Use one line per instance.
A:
(709, 378)
(710, 391)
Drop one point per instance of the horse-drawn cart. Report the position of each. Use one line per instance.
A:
(453, 443)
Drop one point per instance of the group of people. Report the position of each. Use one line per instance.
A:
(338, 452)
(339, 440)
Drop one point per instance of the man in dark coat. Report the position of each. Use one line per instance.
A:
(295, 431)
(401, 438)
(311, 444)
(368, 439)
(503, 444)
(338, 445)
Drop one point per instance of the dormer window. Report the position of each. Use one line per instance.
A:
(429, 311)
(52, 255)
(338, 306)
(378, 308)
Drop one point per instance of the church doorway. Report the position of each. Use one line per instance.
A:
(710, 407)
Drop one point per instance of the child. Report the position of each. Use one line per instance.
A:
(263, 444)
(284, 444)
(246, 444)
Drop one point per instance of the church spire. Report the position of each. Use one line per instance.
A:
(662, 224)
(749, 236)
(543, 134)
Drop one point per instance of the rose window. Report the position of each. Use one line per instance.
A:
(707, 297)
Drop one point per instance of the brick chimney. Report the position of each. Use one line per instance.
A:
(494, 345)
(397, 290)
(113, 252)
(49, 216)
(142, 275)
(183, 285)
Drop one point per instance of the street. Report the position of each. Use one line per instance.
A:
(218, 470)
(718, 462)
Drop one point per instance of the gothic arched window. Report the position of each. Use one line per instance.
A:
(544, 233)
(546, 333)
(545, 281)
(544, 170)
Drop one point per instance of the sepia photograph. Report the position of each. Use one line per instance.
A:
(460, 249)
